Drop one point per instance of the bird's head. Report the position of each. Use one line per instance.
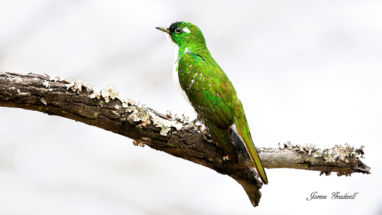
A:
(183, 33)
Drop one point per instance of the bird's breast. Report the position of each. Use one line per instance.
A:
(175, 77)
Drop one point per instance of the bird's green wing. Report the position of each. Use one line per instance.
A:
(210, 93)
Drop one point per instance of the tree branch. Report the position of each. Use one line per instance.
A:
(171, 134)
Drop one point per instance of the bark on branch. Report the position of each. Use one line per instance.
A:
(173, 135)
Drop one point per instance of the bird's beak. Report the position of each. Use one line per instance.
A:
(164, 29)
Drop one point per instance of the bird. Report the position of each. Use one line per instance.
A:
(206, 87)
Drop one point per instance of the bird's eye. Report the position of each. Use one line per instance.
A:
(178, 30)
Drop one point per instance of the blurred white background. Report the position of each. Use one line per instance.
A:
(307, 72)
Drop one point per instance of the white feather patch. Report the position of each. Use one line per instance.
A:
(186, 30)
(233, 127)
(175, 75)
(187, 51)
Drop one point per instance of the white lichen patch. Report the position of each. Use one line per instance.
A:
(130, 109)
(164, 130)
(144, 115)
(105, 94)
(87, 86)
(317, 153)
(46, 84)
(338, 152)
(113, 93)
(18, 80)
(330, 157)
(56, 78)
(96, 94)
(165, 124)
(125, 102)
(42, 100)
(144, 123)
(138, 115)
(134, 117)
(184, 119)
(310, 147)
(12, 79)
(108, 93)
(70, 85)
(117, 107)
(77, 86)
(134, 114)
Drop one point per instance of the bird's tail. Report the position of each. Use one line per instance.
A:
(251, 150)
